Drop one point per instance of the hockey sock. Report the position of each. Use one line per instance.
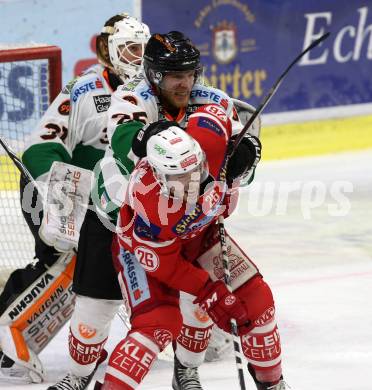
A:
(89, 329)
(261, 346)
(130, 362)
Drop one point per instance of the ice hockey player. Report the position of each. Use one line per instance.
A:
(168, 96)
(168, 247)
(39, 299)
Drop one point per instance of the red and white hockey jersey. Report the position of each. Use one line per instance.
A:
(165, 233)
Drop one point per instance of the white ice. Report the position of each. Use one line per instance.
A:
(314, 248)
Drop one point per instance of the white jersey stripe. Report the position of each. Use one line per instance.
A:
(263, 329)
(146, 342)
(153, 244)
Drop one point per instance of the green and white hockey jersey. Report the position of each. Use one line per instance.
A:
(73, 129)
(132, 106)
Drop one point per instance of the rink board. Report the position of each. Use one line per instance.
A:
(283, 141)
(316, 138)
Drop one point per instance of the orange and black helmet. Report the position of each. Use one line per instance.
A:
(169, 52)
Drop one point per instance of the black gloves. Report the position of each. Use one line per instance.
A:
(143, 135)
(246, 157)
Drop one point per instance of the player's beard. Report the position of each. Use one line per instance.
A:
(177, 99)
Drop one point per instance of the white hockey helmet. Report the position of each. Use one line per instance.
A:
(178, 162)
(126, 44)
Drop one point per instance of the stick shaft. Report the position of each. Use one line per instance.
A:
(234, 328)
(272, 91)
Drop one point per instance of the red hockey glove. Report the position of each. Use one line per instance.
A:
(222, 306)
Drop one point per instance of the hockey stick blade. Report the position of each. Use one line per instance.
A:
(272, 91)
(18, 163)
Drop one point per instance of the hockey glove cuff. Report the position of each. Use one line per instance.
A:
(245, 158)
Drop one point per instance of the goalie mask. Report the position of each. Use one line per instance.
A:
(121, 44)
(178, 163)
(171, 52)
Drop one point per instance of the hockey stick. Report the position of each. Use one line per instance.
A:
(18, 163)
(272, 91)
(221, 226)
(234, 327)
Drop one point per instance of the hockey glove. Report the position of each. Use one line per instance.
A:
(222, 306)
(244, 159)
(143, 135)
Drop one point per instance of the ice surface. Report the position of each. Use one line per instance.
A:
(319, 266)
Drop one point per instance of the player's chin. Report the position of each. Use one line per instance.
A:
(181, 99)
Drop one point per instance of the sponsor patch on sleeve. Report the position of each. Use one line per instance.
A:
(82, 88)
(207, 123)
(64, 107)
(135, 278)
(146, 230)
(102, 102)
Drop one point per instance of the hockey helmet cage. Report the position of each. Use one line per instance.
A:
(118, 35)
(128, 34)
(169, 53)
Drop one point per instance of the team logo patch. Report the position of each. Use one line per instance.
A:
(160, 150)
(86, 331)
(147, 258)
(102, 102)
(64, 107)
(146, 229)
(201, 315)
(266, 316)
(162, 337)
(230, 300)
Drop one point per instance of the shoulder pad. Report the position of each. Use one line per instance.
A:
(202, 94)
(94, 69)
(140, 91)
